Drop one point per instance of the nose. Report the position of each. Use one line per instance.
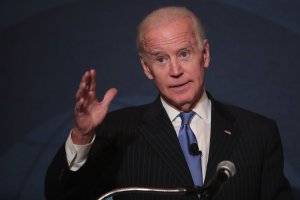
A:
(175, 68)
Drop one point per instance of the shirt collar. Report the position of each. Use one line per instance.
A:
(202, 109)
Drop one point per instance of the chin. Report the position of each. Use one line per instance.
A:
(180, 100)
(184, 99)
(182, 104)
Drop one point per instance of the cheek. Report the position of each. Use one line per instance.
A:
(160, 77)
(161, 84)
(195, 71)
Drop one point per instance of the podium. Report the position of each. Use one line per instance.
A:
(225, 170)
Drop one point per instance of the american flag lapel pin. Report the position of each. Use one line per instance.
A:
(227, 132)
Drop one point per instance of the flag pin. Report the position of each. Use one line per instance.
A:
(227, 132)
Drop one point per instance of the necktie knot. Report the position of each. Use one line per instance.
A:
(186, 117)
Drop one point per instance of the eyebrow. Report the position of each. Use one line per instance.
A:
(185, 48)
(156, 53)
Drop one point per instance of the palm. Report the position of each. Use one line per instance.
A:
(89, 112)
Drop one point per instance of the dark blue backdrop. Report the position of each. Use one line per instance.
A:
(45, 46)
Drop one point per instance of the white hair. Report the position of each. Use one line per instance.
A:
(168, 14)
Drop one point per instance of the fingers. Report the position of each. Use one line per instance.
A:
(86, 92)
(109, 96)
(92, 86)
(87, 84)
(79, 105)
(82, 86)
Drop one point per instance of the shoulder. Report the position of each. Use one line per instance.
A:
(253, 128)
(128, 117)
(243, 117)
(128, 112)
(234, 112)
(242, 114)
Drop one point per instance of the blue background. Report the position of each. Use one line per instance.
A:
(45, 46)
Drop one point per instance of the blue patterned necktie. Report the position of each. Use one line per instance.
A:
(186, 138)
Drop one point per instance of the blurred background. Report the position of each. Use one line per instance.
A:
(46, 45)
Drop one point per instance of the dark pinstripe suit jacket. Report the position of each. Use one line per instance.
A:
(138, 146)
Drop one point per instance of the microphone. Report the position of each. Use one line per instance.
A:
(194, 149)
(225, 170)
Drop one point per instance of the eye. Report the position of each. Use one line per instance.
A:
(184, 54)
(160, 59)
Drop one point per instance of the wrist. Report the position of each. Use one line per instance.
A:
(81, 139)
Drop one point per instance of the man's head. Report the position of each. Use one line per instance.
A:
(174, 52)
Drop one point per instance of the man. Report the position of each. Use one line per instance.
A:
(141, 146)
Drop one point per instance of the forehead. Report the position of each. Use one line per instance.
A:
(173, 34)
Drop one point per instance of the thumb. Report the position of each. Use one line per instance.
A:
(109, 96)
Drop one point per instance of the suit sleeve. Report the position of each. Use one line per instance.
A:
(94, 178)
(59, 178)
(274, 183)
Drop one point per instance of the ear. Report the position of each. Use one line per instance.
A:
(206, 54)
(146, 68)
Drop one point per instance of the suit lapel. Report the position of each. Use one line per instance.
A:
(224, 134)
(159, 132)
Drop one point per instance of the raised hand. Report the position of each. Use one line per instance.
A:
(89, 111)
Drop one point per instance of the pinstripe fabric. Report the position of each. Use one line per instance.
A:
(138, 147)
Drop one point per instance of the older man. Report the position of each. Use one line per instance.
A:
(150, 145)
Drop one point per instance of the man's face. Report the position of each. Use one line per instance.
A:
(174, 61)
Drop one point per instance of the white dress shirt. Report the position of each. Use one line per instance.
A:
(200, 124)
(77, 154)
